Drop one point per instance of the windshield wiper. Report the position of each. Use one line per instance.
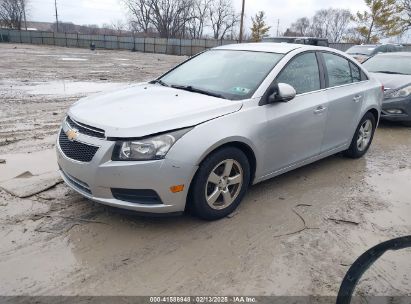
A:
(390, 72)
(197, 90)
(159, 81)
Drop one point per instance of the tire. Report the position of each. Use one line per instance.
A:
(357, 149)
(215, 193)
(407, 123)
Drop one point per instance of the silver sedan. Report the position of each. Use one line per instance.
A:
(197, 137)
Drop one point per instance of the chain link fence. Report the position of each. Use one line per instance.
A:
(181, 47)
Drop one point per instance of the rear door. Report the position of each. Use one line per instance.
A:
(345, 94)
(295, 129)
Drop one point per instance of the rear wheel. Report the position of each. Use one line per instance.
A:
(220, 184)
(363, 137)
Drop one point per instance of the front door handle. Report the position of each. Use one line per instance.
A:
(320, 110)
(357, 98)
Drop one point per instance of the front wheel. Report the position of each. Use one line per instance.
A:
(363, 137)
(220, 184)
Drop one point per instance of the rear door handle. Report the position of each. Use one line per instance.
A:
(357, 98)
(320, 110)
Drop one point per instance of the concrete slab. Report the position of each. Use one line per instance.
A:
(26, 184)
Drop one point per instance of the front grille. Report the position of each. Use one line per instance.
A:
(79, 185)
(85, 129)
(76, 150)
(137, 196)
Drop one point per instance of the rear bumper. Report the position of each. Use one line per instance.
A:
(98, 178)
(397, 104)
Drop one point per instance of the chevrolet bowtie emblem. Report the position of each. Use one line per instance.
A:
(72, 134)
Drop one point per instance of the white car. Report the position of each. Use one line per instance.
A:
(200, 135)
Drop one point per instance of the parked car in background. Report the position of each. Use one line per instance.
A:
(394, 71)
(201, 134)
(299, 40)
(365, 51)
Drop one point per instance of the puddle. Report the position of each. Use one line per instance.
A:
(392, 187)
(65, 87)
(43, 263)
(36, 162)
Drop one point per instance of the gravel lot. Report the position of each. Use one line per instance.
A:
(296, 234)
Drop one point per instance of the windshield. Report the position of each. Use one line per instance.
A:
(366, 50)
(228, 74)
(389, 64)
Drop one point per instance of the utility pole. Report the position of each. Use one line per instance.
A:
(278, 28)
(57, 16)
(24, 15)
(242, 22)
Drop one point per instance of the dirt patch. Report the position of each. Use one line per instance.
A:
(293, 235)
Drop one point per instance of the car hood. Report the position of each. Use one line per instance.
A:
(392, 81)
(146, 109)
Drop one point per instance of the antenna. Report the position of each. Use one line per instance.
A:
(57, 16)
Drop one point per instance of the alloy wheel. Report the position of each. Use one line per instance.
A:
(224, 184)
(364, 135)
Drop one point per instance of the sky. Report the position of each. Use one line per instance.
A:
(108, 11)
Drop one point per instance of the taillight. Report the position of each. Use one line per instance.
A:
(382, 88)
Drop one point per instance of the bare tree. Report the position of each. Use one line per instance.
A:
(141, 14)
(301, 26)
(320, 26)
(118, 26)
(170, 17)
(331, 23)
(406, 13)
(339, 22)
(183, 18)
(12, 13)
(200, 18)
(222, 17)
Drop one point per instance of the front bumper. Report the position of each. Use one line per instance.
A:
(96, 179)
(403, 104)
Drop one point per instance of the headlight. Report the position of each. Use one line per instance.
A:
(404, 92)
(150, 148)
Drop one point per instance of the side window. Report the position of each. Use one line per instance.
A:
(381, 49)
(363, 76)
(355, 73)
(338, 70)
(302, 73)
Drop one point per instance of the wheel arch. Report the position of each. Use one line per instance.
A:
(376, 114)
(241, 145)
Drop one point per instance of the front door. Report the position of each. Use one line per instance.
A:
(295, 129)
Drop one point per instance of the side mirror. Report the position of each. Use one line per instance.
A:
(282, 92)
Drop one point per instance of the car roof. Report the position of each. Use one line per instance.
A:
(376, 45)
(395, 54)
(268, 47)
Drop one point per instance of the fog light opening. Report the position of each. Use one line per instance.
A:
(395, 111)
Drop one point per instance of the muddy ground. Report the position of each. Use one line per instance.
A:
(296, 234)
